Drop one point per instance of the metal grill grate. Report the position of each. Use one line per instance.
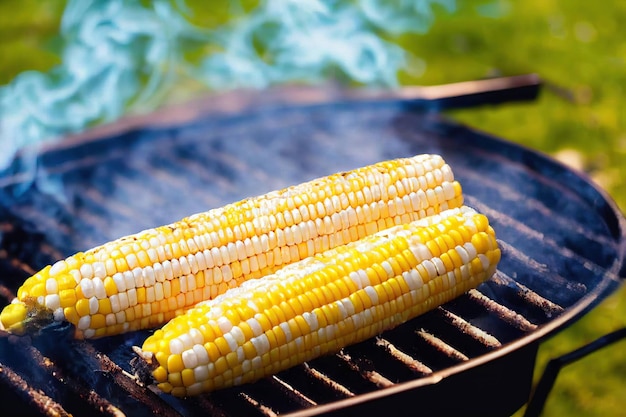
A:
(433, 342)
(562, 242)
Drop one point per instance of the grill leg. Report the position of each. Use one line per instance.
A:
(538, 400)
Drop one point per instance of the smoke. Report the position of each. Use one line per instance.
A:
(121, 56)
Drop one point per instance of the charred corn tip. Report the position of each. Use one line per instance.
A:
(143, 280)
(323, 303)
(13, 317)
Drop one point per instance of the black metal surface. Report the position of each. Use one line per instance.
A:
(548, 378)
(563, 248)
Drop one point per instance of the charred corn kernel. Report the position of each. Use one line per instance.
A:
(356, 305)
(203, 255)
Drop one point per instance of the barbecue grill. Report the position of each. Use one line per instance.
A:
(562, 240)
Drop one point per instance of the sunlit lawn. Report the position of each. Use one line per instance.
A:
(577, 47)
(579, 50)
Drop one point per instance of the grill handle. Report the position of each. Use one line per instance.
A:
(434, 98)
(467, 94)
(544, 386)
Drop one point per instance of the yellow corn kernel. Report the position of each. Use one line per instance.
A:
(104, 306)
(71, 314)
(175, 364)
(203, 255)
(160, 374)
(265, 339)
(82, 307)
(97, 321)
(67, 298)
(110, 287)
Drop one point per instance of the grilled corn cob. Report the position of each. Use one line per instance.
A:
(142, 281)
(320, 304)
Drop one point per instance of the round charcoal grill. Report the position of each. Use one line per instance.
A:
(563, 244)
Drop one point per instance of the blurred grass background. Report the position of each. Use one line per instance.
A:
(576, 46)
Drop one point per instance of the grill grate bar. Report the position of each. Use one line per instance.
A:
(467, 328)
(507, 315)
(442, 346)
(299, 397)
(371, 375)
(145, 193)
(514, 197)
(550, 308)
(91, 397)
(16, 263)
(197, 170)
(329, 382)
(45, 405)
(97, 198)
(527, 231)
(548, 250)
(406, 359)
(89, 210)
(76, 164)
(208, 406)
(7, 294)
(44, 220)
(534, 265)
(265, 410)
(127, 382)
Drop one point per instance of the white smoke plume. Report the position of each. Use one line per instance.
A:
(123, 55)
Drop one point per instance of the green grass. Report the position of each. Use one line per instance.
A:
(574, 46)
(28, 34)
(577, 48)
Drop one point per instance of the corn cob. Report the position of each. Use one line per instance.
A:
(323, 303)
(142, 281)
